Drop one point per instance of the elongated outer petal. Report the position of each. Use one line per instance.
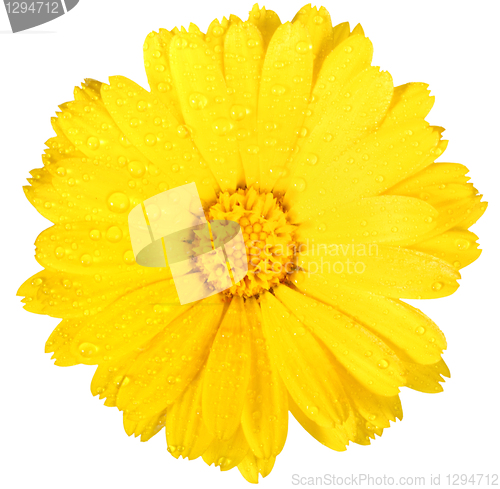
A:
(354, 111)
(382, 219)
(361, 353)
(283, 98)
(399, 323)
(145, 428)
(81, 247)
(215, 39)
(206, 107)
(155, 131)
(384, 270)
(445, 187)
(265, 413)
(157, 64)
(335, 438)
(91, 129)
(243, 58)
(340, 33)
(409, 101)
(72, 295)
(319, 25)
(427, 378)
(227, 373)
(251, 466)
(115, 332)
(335, 75)
(458, 247)
(173, 358)
(267, 22)
(187, 435)
(109, 377)
(227, 454)
(304, 366)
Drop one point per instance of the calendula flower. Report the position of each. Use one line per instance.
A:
(330, 172)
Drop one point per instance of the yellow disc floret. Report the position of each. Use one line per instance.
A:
(269, 241)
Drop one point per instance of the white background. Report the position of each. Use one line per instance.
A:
(55, 434)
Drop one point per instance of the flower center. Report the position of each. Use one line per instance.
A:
(270, 248)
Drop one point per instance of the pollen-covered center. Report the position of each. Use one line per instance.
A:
(269, 244)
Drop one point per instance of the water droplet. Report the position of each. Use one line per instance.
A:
(86, 260)
(142, 106)
(95, 234)
(420, 330)
(118, 202)
(114, 234)
(379, 179)
(462, 244)
(437, 286)
(164, 87)
(318, 19)
(278, 90)
(299, 184)
(312, 159)
(303, 47)
(59, 251)
(182, 131)
(150, 139)
(136, 169)
(238, 112)
(93, 142)
(198, 101)
(88, 350)
(221, 126)
(383, 363)
(128, 257)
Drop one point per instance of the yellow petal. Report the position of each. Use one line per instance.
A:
(382, 219)
(283, 98)
(152, 129)
(89, 91)
(146, 428)
(340, 33)
(265, 414)
(361, 353)
(227, 373)
(339, 69)
(243, 58)
(227, 454)
(166, 367)
(384, 270)
(72, 295)
(267, 22)
(108, 379)
(409, 101)
(304, 366)
(215, 39)
(427, 378)
(157, 63)
(398, 323)
(251, 466)
(206, 107)
(458, 247)
(334, 438)
(112, 333)
(319, 25)
(91, 130)
(84, 248)
(187, 435)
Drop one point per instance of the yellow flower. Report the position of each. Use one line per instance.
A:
(330, 172)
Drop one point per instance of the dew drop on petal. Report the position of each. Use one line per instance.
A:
(118, 202)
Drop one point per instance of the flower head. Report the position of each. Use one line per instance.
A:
(330, 172)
